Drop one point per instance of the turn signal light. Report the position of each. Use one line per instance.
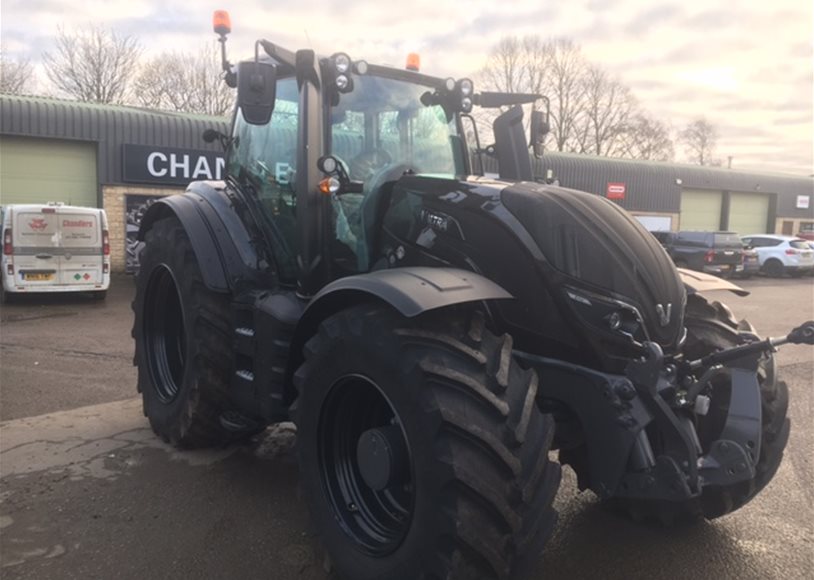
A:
(413, 62)
(221, 22)
(329, 185)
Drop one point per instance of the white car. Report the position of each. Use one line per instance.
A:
(779, 255)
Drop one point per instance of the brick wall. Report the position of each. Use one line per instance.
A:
(113, 200)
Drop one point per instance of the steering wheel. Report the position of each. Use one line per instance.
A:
(365, 165)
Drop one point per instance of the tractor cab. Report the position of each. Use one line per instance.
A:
(320, 141)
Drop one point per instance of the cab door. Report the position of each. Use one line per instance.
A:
(81, 259)
(36, 250)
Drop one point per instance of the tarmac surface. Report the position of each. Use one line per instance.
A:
(87, 491)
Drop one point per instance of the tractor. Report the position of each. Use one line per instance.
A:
(435, 331)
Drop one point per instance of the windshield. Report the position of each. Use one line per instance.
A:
(382, 121)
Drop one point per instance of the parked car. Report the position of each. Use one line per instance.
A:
(55, 248)
(718, 253)
(806, 231)
(751, 262)
(782, 254)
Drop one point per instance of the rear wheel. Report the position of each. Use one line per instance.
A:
(711, 328)
(421, 449)
(183, 351)
(774, 268)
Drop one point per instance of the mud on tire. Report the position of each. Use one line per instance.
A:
(711, 327)
(181, 330)
(473, 496)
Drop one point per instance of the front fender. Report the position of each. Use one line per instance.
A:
(696, 282)
(411, 291)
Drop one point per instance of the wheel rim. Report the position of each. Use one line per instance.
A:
(164, 334)
(377, 520)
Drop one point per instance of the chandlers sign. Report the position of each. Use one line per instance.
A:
(170, 166)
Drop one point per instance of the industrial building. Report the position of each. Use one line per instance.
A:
(123, 158)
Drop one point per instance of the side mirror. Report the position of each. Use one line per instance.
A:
(538, 130)
(256, 91)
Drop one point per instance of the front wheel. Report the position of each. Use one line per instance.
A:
(422, 452)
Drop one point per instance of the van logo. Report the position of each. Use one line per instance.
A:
(664, 313)
(38, 224)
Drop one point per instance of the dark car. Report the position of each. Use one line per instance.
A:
(718, 253)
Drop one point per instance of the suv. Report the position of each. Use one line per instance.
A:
(715, 252)
(782, 254)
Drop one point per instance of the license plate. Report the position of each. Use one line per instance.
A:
(728, 253)
(38, 277)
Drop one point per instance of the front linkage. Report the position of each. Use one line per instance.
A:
(656, 400)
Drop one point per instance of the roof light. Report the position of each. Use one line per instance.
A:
(467, 87)
(360, 67)
(413, 62)
(449, 84)
(341, 62)
(221, 22)
(466, 104)
(342, 83)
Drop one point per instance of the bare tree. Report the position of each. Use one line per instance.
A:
(699, 138)
(608, 109)
(564, 85)
(93, 64)
(647, 138)
(188, 82)
(16, 76)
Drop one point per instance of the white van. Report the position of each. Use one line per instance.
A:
(55, 248)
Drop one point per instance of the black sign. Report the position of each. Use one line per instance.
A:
(170, 166)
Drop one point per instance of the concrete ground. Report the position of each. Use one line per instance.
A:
(87, 491)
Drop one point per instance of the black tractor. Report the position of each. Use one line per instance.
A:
(434, 332)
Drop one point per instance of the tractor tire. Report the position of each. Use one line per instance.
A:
(183, 351)
(774, 268)
(710, 328)
(422, 452)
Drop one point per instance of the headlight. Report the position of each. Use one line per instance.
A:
(608, 315)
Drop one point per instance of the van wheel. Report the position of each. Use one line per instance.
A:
(183, 351)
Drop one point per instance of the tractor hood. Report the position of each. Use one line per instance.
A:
(599, 248)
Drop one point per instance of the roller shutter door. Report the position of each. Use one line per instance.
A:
(42, 170)
(748, 213)
(700, 210)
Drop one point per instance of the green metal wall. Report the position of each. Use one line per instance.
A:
(42, 170)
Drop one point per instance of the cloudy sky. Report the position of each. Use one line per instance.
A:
(745, 65)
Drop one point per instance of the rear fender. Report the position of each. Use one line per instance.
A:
(220, 240)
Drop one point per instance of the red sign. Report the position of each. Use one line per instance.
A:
(616, 190)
